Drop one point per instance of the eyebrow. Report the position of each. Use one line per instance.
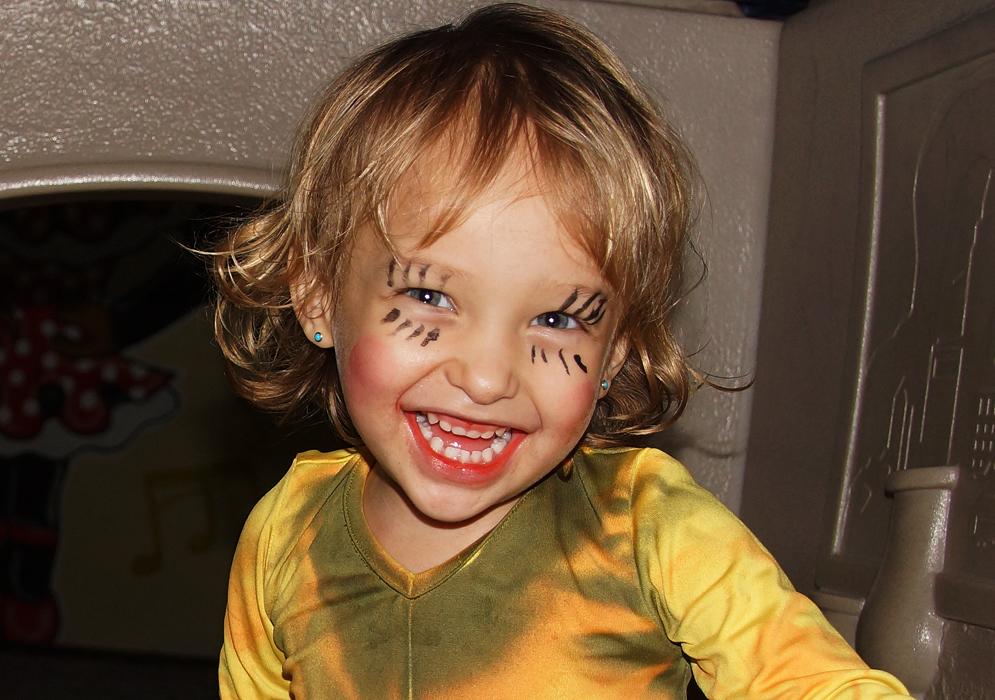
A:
(577, 291)
(579, 297)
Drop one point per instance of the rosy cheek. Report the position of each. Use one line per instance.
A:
(575, 406)
(583, 395)
(368, 367)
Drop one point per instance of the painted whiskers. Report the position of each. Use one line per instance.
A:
(394, 314)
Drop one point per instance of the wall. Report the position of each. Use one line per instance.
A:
(864, 194)
(203, 96)
(715, 76)
(809, 274)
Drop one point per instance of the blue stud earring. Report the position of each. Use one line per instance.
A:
(318, 337)
(604, 385)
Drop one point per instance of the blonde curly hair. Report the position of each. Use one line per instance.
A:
(505, 75)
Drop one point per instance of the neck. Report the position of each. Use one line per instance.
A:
(413, 540)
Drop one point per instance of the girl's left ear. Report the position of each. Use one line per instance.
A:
(619, 351)
(310, 308)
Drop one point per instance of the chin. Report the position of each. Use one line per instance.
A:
(456, 512)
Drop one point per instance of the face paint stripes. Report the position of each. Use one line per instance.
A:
(584, 306)
(564, 361)
(405, 275)
(580, 364)
(395, 314)
(597, 314)
(430, 336)
(591, 311)
(570, 300)
(543, 353)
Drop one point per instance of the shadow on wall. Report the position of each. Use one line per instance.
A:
(771, 9)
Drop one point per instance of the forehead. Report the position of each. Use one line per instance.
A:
(433, 214)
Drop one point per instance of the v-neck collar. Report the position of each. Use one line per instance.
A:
(406, 583)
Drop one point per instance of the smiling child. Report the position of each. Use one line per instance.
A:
(472, 269)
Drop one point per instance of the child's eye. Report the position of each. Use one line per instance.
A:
(556, 319)
(430, 297)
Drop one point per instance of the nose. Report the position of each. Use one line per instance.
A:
(484, 367)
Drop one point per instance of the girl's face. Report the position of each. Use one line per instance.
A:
(471, 366)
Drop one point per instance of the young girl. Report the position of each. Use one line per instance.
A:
(472, 270)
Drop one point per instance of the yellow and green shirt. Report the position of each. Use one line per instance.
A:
(616, 582)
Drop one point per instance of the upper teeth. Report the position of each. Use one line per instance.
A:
(454, 452)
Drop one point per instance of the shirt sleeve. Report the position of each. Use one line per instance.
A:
(251, 663)
(723, 598)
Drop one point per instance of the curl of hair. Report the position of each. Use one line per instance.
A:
(505, 77)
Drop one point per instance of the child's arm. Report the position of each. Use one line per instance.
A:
(251, 663)
(721, 595)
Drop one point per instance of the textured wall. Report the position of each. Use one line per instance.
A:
(716, 77)
(800, 409)
(204, 95)
(809, 272)
(731, 132)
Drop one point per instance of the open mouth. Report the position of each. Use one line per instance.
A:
(461, 441)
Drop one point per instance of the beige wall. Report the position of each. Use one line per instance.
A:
(204, 97)
(716, 76)
(810, 263)
(826, 206)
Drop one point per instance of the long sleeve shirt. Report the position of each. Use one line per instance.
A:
(618, 581)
